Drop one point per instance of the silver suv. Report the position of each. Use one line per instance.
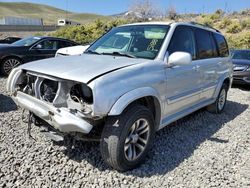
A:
(130, 83)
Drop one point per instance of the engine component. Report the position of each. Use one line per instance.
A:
(48, 90)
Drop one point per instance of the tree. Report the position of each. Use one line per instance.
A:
(172, 13)
(143, 10)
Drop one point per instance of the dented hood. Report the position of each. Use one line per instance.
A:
(80, 68)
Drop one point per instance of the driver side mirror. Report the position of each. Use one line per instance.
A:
(179, 58)
(38, 47)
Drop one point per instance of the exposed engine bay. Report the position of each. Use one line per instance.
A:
(63, 104)
(58, 92)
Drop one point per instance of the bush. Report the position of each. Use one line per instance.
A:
(225, 22)
(241, 41)
(245, 24)
(89, 32)
(234, 27)
(215, 16)
(206, 20)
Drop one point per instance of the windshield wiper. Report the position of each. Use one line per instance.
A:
(92, 52)
(120, 54)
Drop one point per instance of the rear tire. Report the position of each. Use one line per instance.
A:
(127, 138)
(8, 64)
(218, 106)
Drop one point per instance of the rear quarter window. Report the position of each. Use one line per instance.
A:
(221, 44)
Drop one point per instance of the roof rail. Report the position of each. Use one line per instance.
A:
(203, 25)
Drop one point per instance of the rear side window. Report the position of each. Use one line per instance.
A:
(205, 44)
(183, 41)
(63, 44)
(222, 45)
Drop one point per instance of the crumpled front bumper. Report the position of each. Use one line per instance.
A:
(60, 118)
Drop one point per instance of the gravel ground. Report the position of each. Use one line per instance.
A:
(201, 150)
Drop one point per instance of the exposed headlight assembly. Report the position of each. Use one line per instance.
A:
(81, 93)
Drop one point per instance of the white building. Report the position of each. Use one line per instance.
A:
(8, 20)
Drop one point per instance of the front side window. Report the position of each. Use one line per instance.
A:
(206, 48)
(183, 41)
(140, 41)
(48, 45)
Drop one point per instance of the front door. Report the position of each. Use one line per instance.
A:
(184, 83)
(44, 49)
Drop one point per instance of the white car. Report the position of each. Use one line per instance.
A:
(73, 50)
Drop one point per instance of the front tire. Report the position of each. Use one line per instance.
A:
(126, 139)
(218, 106)
(8, 64)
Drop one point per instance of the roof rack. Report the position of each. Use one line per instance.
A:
(203, 25)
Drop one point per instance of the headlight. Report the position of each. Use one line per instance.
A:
(240, 67)
(81, 93)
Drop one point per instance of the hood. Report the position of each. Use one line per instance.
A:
(80, 68)
(73, 50)
(241, 62)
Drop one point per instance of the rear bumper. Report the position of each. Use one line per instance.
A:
(60, 118)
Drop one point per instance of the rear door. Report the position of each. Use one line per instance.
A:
(183, 82)
(208, 61)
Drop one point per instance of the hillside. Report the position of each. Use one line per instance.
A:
(48, 13)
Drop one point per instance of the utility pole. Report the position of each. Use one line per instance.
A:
(67, 9)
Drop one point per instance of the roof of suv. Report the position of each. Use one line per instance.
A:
(194, 24)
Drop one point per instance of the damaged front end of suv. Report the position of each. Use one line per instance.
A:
(64, 104)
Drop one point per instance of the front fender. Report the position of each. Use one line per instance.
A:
(131, 96)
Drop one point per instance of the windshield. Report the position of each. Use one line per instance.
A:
(27, 41)
(139, 41)
(241, 55)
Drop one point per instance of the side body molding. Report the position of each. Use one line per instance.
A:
(131, 96)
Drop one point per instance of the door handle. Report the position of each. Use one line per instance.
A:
(196, 67)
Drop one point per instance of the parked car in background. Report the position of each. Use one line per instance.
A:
(130, 83)
(9, 40)
(241, 64)
(73, 50)
(29, 49)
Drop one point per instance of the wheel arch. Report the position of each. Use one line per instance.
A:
(12, 56)
(145, 96)
(225, 80)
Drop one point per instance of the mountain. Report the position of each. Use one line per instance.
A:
(49, 14)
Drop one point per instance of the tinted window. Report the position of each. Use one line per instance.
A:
(63, 44)
(182, 40)
(49, 45)
(205, 44)
(222, 45)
